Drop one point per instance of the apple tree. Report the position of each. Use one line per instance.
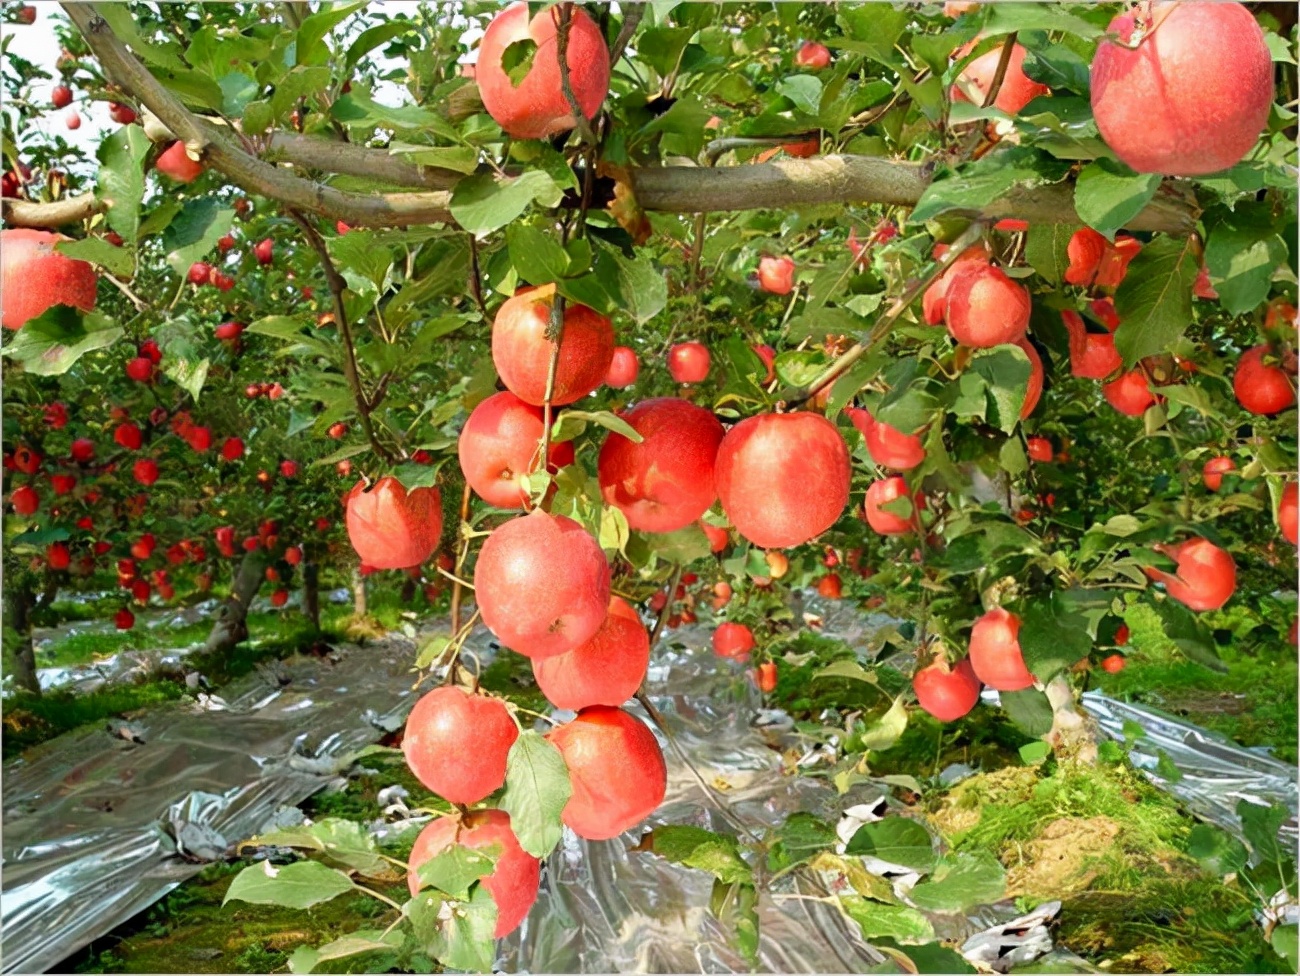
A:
(982, 314)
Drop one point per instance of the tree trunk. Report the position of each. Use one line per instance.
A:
(20, 606)
(358, 594)
(311, 594)
(231, 627)
(1073, 734)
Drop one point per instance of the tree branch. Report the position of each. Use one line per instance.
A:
(216, 147)
(69, 210)
(337, 286)
(566, 84)
(632, 14)
(335, 156)
(1000, 74)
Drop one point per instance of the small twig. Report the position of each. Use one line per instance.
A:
(476, 279)
(632, 14)
(139, 303)
(566, 83)
(663, 613)
(1008, 47)
(718, 147)
(886, 321)
(554, 332)
(457, 589)
(337, 286)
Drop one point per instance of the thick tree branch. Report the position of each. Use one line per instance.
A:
(69, 210)
(217, 148)
(349, 159)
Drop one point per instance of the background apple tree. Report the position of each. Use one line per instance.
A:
(736, 189)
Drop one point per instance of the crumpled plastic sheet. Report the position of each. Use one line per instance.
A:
(1216, 772)
(97, 828)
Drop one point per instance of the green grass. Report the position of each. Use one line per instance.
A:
(1254, 703)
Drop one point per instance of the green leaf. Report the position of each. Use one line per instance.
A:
(1259, 825)
(702, 849)
(804, 835)
(454, 870)
(460, 937)
(1045, 250)
(973, 186)
(799, 367)
(305, 959)
(50, 344)
(1029, 710)
(119, 261)
(298, 885)
(571, 423)
(1191, 636)
(357, 109)
(643, 287)
(805, 91)
(237, 90)
(482, 203)
(298, 84)
(849, 669)
(517, 60)
(194, 232)
(344, 842)
(736, 908)
(159, 217)
(278, 326)
(1107, 195)
(1053, 637)
(960, 882)
(372, 37)
(537, 256)
(1004, 18)
(183, 361)
(885, 732)
(1243, 251)
(311, 48)
(1154, 302)
(929, 957)
(120, 185)
(1032, 753)
(1004, 372)
(458, 159)
(895, 840)
(537, 788)
(1058, 67)
(890, 921)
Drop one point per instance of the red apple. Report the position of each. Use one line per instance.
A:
(1039, 449)
(61, 97)
(293, 555)
(140, 369)
(199, 273)
(616, 768)
(128, 436)
(1262, 388)
(768, 355)
(121, 114)
(812, 55)
(25, 500)
(263, 251)
(888, 446)
(688, 362)
(62, 483)
(26, 14)
(176, 163)
(606, 670)
(73, 121)
(289, 469)
(232, 449)
(82, 450)
(1034, 385)
(1204, 577)
(1286, 513)
(1185, 89)
(830, 586)
(1129, 394)
(1214, 470)
(1113, 663)
(228, 331)
(56, 416)
(934, 303)
(776, 275)
(499, 446)
(58, 556)
(34, 277)
(145, 471)
(995, 652)
(391, 528)
(623, 368)
(438, 730)
(984, 307)
(515, 875)
(526, 98)
(124, 619)
(734, 641)
(542, 584)
(783, 479)
(522, 353)
(337, 430)
(976, 79)
(665, 482)
(947, 693)
(718, 537)
(883, 492)
(1092, 355)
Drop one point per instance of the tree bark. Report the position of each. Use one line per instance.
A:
(231, 626)
(311, 594)
(358, 594)
(1073, 734)
(19, 598)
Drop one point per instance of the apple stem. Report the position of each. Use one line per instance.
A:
(463, 550)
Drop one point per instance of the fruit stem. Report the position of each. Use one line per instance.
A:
(1004, 61)
(457, 587)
